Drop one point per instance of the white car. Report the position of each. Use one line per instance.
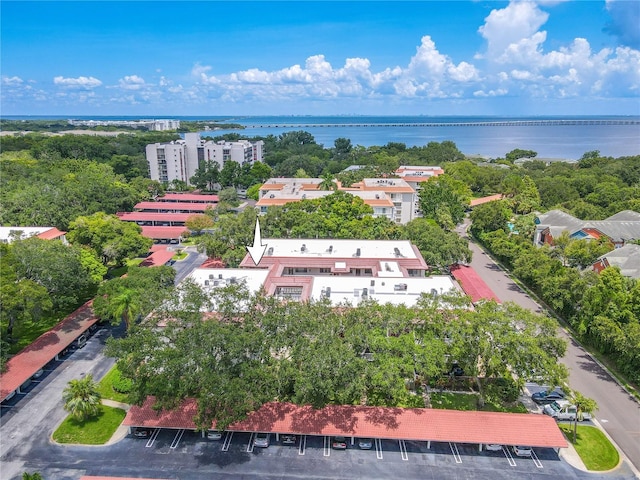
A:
(214, 435)
(521, 451)
(493, 447)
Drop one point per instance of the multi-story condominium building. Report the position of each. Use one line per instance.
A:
(343, 271)
(179, 160)
(414, 175)
(388, 197)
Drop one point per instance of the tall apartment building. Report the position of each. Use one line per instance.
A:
(179, 160)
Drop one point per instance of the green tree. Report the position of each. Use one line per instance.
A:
(518, 153)
(443, 193)
(490, 217)
(229, 174)
(82, 398)
(439, 248)
(199, 222)
(109, 237)
(583, 405)
(327, 182)
(56, 267)
(131, 297)
(206, 176)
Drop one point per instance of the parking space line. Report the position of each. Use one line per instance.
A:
(176, 439)
(403, 450)
(456, 453)
(152, 438)
(250, 444)
(507, 454)
(378, 443)
(227, 442)
(536, 460)
(303, 445)
(327, 446)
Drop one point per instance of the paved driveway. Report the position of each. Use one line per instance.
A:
(618, 413)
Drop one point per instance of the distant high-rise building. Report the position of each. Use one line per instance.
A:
(179, 159)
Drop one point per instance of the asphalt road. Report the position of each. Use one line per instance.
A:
(619, 412)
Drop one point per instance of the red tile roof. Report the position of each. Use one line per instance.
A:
(51, 234)
(188, 197)
(480, 201)
(213, 263)
(164, 206)
(153, 216)
(376, 422)
(25, 364)
(157, 258)
(162, 232)
(472, 284)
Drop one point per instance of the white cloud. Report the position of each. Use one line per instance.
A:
(511, 25)
(12, 81)
(78, 82)
(131, 82)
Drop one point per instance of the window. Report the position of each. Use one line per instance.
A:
(290, 293)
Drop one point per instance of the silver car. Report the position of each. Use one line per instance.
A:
(261, 440)
(521, 451)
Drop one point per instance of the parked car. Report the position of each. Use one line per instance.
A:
(522, 451)
(563, 410)
(288, 439)
(261, 440)
(81, 341)
(456, 370)
(142, 432)
(543, 398)
(365, 443)
(214, 435)
(493, 447)
(339, 443)
(38, 374)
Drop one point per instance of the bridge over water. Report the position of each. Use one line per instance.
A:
(503, 123)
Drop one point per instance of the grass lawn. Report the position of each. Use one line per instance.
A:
(454, 401)
(105, 387)
(594, 448)
(180, 256)
(94, 431)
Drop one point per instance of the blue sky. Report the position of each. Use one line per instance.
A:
(164, 58)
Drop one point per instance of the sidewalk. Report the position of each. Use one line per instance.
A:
(122, 431)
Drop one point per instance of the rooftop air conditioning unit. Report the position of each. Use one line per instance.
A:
(206, 283)
(270, 251)
(357, 252)
(211, 276)
(303, 248)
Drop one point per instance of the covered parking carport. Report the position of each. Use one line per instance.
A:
(418, 424)
(47, 347)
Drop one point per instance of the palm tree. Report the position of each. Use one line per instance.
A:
(583, 405)
(31, 476)
(327, 182)
(126, 305)
(81, 398)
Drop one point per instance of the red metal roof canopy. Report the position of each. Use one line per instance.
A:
(422, 424)
(472, 284)
(25, 364)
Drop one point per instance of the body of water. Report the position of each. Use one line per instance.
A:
(567, 137)
(550, 137)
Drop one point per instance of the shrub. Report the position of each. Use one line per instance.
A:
(120, 384)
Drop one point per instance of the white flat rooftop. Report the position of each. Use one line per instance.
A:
(332, 248)
(212, 278)
(396, 291)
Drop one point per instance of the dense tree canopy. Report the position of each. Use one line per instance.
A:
(112, 239)
(258, 349)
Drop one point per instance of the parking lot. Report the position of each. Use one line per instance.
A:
(314, 450)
